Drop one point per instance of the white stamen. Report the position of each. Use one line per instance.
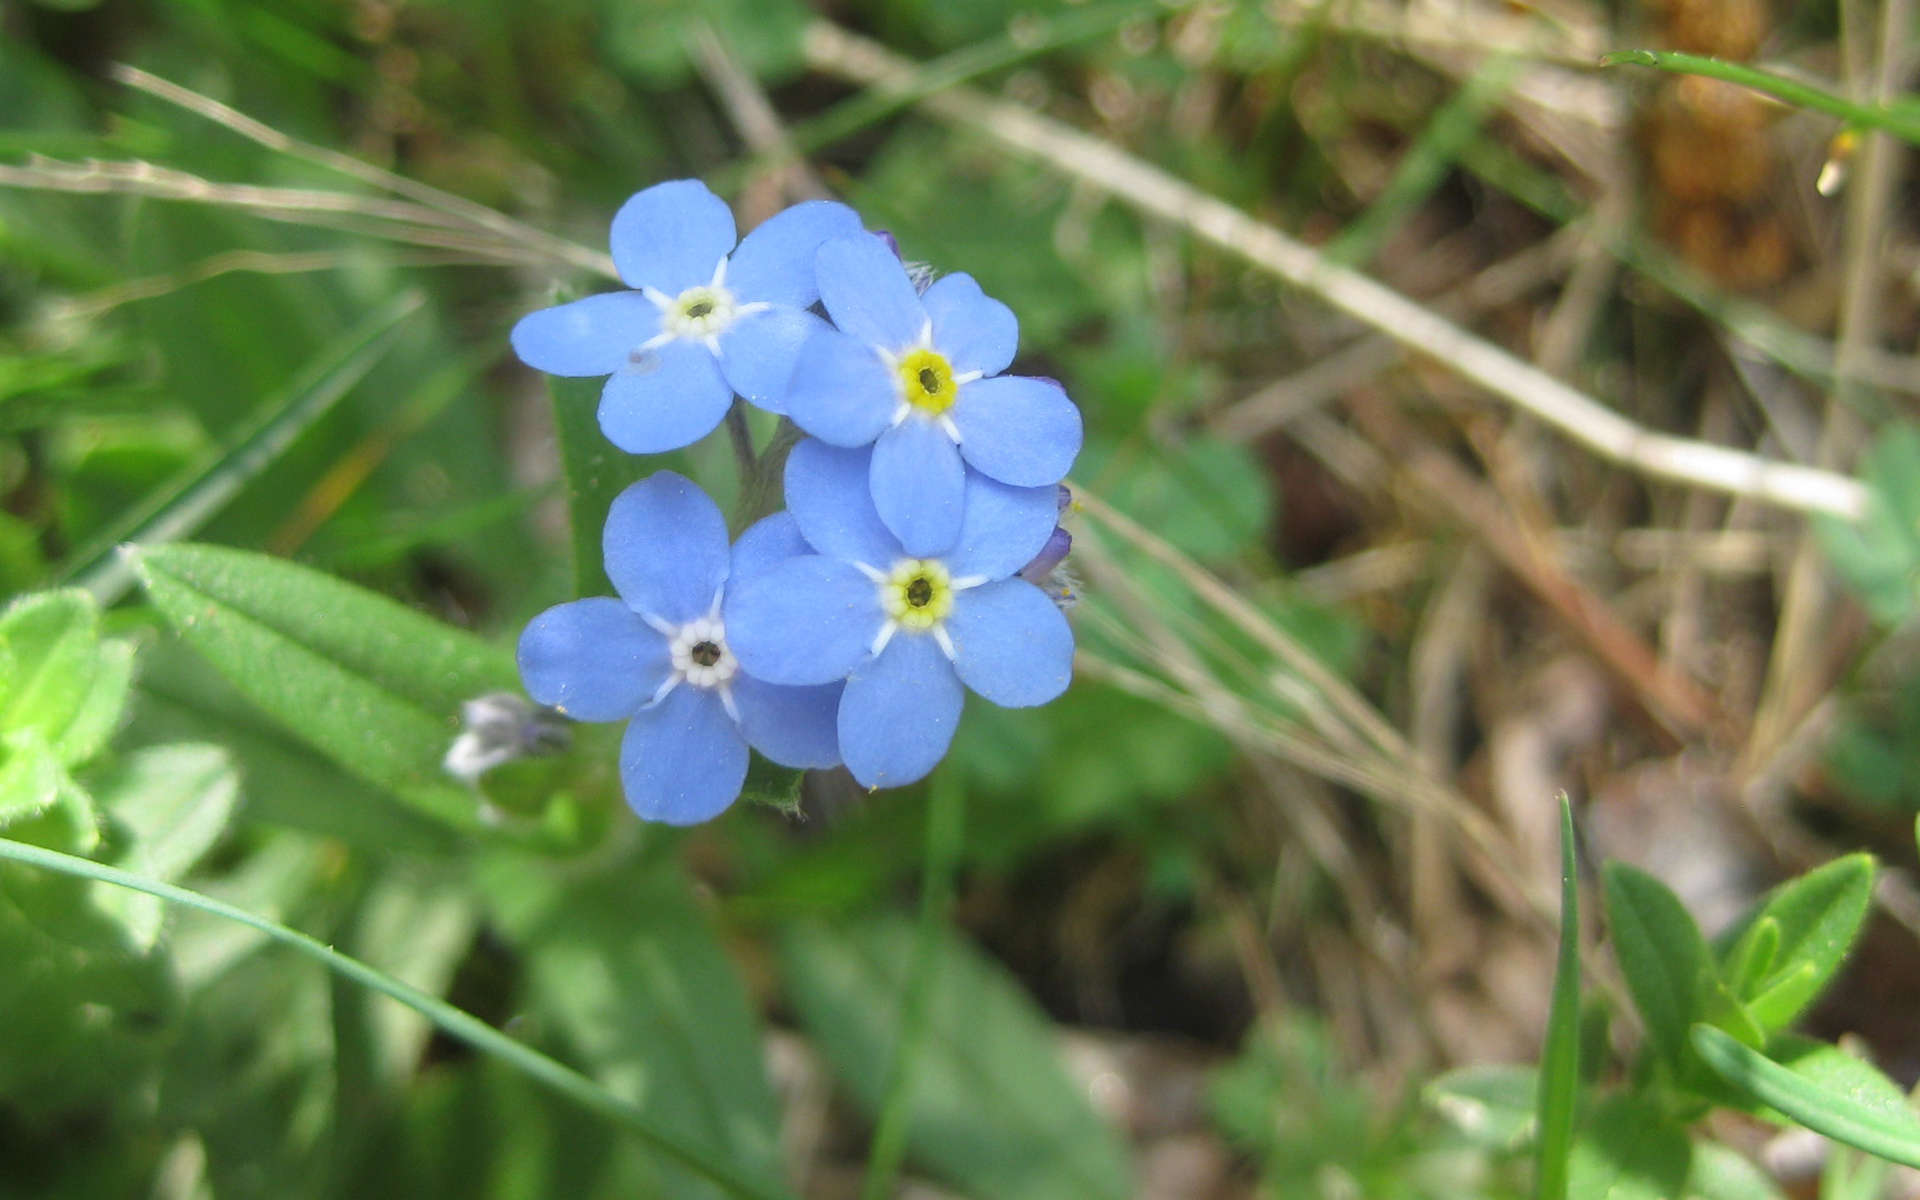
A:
(726, 702)
(967, 377)
(873, 573)
(720, 272)
(945, 642)
(926, 334)
(660, 693)
(966, 581)
(665, 629)
(683, 648)
(881, 639)
(949, 428)
(900, 414)
(660, 299)
(747, 310)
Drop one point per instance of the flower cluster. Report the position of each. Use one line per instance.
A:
(914, 560)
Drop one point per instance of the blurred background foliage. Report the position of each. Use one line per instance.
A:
(1201, 928)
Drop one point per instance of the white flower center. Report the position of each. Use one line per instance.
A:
(699, 653)
(700, 312)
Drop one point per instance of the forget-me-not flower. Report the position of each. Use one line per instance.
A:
(918, 376)
(659, 656)
(706, 319)
(909, 632)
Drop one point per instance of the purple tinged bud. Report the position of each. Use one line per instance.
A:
(1051, 555)
(886, 236)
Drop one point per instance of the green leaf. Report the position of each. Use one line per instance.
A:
(1559, 1093)
(1628, 1150)
(1810, 923)
(62, 682)
(628, 970)
(993, 1109)
(185, 504)
(39, 801)
(369, 683)
(1822, 1088)
(1879, 555)
(182, 697)
(1662, 954)
(1495, 1107)
(595, 471)
(1751, 955)
(1718, 1173)
(166, 807)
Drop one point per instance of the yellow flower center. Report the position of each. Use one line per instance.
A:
(926, 379)
(917, 593)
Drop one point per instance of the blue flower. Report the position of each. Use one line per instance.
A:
(706, 319)
(918, 376)
(910, 633)
(659, 656)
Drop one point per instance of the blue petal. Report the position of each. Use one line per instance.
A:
(974, 331)
(594, 659)
(775, 262)
(793, 726)
(767, 543)
(840, 391)
(758, 352)
(1003, 527)
(808, 620)
(828, 494)
(683, 760)
(898, 716)
(1011, 643)
(918, 485)
(671, 236)
(587, 337)
(672, 397)
(867, 293)
(666, 548)
(1019, 430)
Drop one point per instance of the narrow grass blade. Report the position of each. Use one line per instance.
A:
(179, 508)
(1901, 120)
(1560, 1060)
(450, 1020)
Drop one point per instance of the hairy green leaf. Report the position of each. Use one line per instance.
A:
(60, 681)
(1821, 1087)
(1661, 953)
(369, 683)
(1791, 944)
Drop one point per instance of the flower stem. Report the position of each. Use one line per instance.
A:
(946, 808)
